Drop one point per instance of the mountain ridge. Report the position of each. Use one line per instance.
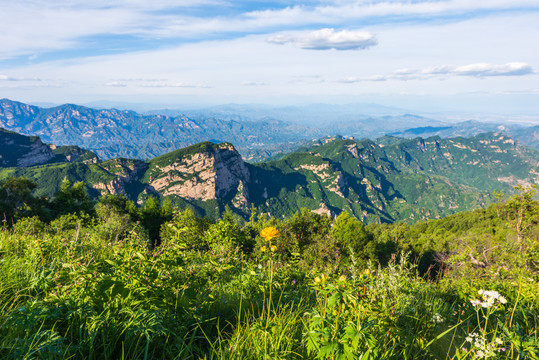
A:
(114, 133)
(400, 180)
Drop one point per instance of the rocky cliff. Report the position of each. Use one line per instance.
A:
(24, 151)
(202, 172)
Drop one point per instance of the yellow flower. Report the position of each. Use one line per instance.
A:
(324, 277)
(263, 249)
(342, 278)
(269, 233)
(367, 272)
(317, 280)
(273, 248)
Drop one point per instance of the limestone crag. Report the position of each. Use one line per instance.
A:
(38, 153)
(124, 171)
(22, 151)
(216, 173)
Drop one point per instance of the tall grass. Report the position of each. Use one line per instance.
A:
(71, 295)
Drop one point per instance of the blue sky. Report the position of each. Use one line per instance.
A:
(477, 56)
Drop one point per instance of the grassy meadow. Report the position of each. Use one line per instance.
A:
(120, 282)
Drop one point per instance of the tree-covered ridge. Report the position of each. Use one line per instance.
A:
(113, 280)
(386, 181)
(406, 179)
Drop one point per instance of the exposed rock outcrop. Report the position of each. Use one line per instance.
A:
(22, 151)
(216, 172)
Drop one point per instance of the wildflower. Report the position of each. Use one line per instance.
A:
(273, 248)
(437, 318)
(324, 277)
(499, 341)
(269, 233)
(367, 272)
(475, 302)
(342, 278)
(490, 298)
(317, 280)
(263, 249)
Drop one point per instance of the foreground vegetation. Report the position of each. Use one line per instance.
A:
(114, 281)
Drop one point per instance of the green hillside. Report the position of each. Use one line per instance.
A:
(386, 181)
(402, 179)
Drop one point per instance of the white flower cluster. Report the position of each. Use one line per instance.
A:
(437, 318)
(481, 349)
(489, 299)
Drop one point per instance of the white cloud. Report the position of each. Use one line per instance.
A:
(36, 26)
(152, 83)
(479, 70)
(115, 84)
(17, 78)
(326, 39)
(484, 70)
(341, 11)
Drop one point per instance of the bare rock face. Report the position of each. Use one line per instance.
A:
(324, 210)
(126, 172)
(230, 170)
(22, 151)
(216, 173)
(38, 153)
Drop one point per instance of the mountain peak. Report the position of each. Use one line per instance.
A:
(205, 171)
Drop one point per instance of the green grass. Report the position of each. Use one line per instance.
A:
(67, 293)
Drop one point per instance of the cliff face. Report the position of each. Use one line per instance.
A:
(18, 150)
(122, 173)
(22, 151)
(38, 153)
(216, 171)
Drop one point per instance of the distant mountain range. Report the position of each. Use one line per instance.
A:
(377, 181)
(528, 136)
(122, 133)
(258, 132)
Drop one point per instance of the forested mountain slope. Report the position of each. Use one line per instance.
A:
(393, 179)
